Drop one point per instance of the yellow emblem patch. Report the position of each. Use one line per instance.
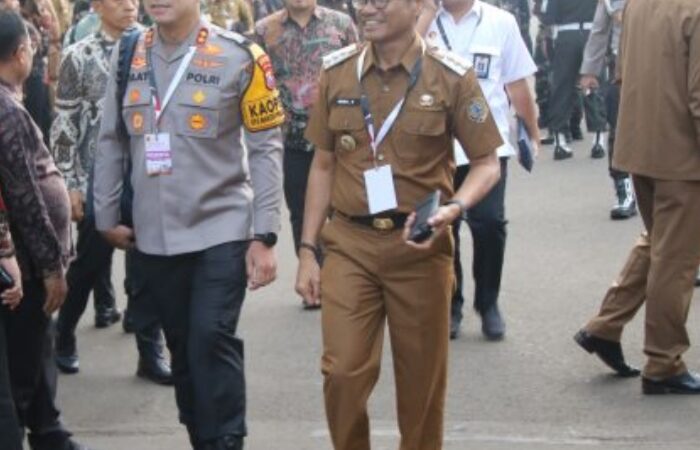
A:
(138, 63)
(137, 121)
(199, 97)
(134, 96)
(261, 108)
(198, 122)
(211, 50)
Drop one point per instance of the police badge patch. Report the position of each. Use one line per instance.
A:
(478, 110)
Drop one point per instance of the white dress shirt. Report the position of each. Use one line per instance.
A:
(490, 39)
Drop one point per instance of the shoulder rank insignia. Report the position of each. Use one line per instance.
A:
(451, 60)
(261, 108)
(334, 58)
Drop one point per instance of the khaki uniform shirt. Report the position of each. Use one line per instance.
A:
(446, 103)
(219, 190)
(658, 133)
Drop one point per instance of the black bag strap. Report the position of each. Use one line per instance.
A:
(127, 47)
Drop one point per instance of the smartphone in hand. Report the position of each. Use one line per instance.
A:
(421, 230)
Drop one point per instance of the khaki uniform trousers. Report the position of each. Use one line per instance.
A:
(368, 277)
(660, 270)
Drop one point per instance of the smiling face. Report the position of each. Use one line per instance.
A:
(391, 23)
(169, 12)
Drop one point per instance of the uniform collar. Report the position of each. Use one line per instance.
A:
(408, 59)
(476, 11)
(181, 51)
(316, 14)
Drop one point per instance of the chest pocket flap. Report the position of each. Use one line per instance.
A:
(197, 111)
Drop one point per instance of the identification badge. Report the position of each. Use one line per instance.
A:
(158, 155)
(381, 194)
(482, 65)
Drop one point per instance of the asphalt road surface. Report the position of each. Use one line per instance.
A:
(534, 390)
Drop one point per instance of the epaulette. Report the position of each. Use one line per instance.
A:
(334, 58)
(452, 60)
(233, 36)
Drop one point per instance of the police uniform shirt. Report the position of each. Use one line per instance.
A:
(490, 39)
(605, 35)
(218, 190)
(446, 102)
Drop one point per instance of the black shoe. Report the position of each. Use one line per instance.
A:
(597, 151)
(625, 206)
(492, 325)
(156, 370)
(55, 440)
(685, 383)
(455, 329)
(68, 364)
(228, 442)
(104, 319)
(610, 352)
(561, 151)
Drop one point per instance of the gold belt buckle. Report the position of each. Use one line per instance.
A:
(383, 224)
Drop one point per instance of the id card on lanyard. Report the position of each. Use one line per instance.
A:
(379, 180)
(158, 150)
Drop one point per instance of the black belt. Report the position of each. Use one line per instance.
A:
(381, 222)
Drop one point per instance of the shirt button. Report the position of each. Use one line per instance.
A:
(385, 88)
(380, 157)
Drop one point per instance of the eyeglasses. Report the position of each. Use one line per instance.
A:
(378, 4)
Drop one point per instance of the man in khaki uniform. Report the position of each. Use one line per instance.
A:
(658, 142)
(371, 274)
(205, 209)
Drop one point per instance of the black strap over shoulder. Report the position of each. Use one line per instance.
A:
(127, 47)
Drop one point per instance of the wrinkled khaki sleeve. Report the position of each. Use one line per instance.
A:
(317, 130)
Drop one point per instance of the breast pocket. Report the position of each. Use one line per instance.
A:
(197, 112)
(486, 61)
(420, 134)
(137, 111)
(351, 138)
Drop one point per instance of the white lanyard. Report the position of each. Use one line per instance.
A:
(159, 107)
(375, 141)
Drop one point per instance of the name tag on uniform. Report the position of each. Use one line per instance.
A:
(381, 194)
(158, 154)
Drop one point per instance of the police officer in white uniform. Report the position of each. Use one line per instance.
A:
(490, 38)
(205, 209)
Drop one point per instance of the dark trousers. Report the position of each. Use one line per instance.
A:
(612, 103)
(566, 63)
(32, 369)
(90, 271)
(10, 434)
(487, 223)
(296, 166)
(198, 299)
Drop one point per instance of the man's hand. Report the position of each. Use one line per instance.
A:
(12, 296)
(261, 265)
(309, 278)
(442, 218)
(76, 206)
(589, 83)
(56, 290)
(121, 237)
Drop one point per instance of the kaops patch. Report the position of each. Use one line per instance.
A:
(261, 108)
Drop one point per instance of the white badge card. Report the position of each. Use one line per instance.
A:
(381, 194)
(158, 155)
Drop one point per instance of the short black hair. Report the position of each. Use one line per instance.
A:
(12, 31)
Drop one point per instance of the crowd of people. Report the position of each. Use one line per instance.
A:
(174, 129)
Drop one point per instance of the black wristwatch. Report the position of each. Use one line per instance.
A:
(269, 239)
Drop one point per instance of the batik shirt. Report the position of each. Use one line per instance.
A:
(6, 247)
(79, 99)
(36, 196)
(296, 54)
